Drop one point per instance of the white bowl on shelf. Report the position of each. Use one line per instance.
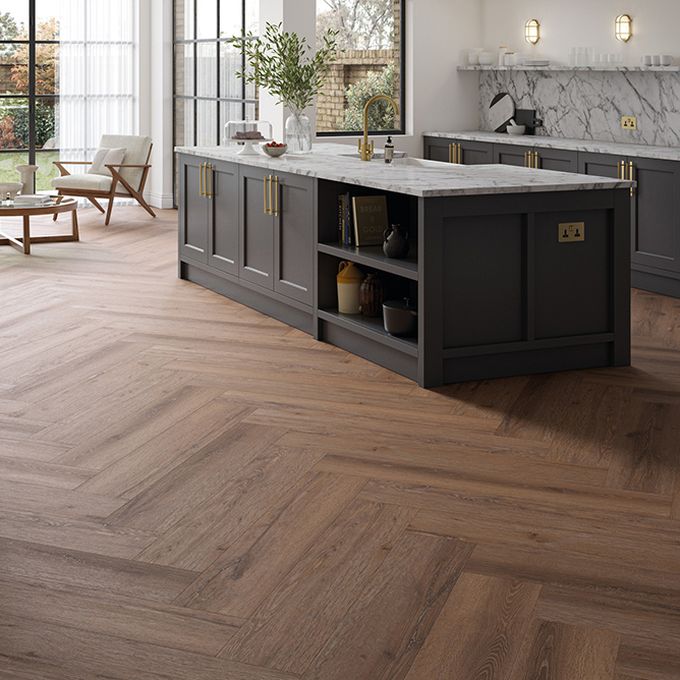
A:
(517, 130)
(487, 59)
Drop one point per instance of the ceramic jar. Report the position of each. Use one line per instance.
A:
(349, 280)
(396, 243)
(371, 296)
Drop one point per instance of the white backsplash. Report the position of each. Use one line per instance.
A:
(589, 105)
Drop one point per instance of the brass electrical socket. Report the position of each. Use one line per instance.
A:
(629, 122)
(571, 232)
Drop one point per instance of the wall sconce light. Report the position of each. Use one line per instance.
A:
(532, 31)
(624, 28)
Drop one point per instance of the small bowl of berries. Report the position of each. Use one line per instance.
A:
(275, 149)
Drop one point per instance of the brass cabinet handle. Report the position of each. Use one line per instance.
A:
(537, 161)
(265, 194)
(622, 169)
(527, 159)
(458, 154)
(200, 180)
(450, 153)
(275, 183)
(631, 176)
(209, 180)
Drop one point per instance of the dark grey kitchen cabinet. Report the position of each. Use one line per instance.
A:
(656, 213)
(193, 209)
(457, 151)
(276, 232)
(556, 159)
(223, 223)
(294, 241)
(655, 219)
(256, 227)
(510, 154)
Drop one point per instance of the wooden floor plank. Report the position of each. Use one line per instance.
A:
(301, 614)
(479, 631)
(248, 569)
(384, 631)
(562, 652)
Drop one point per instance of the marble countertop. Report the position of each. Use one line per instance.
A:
(668, 153)
(412, 176)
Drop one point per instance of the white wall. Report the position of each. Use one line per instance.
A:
(155, 96)
(583, 23)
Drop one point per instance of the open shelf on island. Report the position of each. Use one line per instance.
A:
(371, 328)
(372, 256)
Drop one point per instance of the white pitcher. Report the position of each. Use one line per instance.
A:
(27, 173)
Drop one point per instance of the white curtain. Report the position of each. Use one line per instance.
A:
(97, 73)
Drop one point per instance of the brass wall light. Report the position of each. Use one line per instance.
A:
(532, 31)
(624, 27)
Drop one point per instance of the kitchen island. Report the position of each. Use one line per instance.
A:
(514, 270)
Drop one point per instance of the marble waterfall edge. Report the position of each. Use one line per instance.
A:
(589, 105)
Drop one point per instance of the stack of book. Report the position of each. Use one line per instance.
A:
(32, 201)
(345, 229)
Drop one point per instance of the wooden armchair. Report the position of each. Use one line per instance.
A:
(126, 179)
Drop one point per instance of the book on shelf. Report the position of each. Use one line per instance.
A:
(344, 220)
(370, 220)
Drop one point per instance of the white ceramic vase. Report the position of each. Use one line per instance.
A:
(27, 173)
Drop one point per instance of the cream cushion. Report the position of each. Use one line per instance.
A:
(84, 182)
(136, 153)
(105, 157)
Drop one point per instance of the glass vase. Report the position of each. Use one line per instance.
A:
(299, 133)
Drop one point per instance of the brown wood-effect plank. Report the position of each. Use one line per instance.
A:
(566, 569)
(301, 614)
(118, 616)
(648, 459)
(85, 535)
(251, 567)
(30, 449)
(556, 651)
(207, 532)
(84, 654)
(129, 476)
(479, 631)
(124, 435)
(33, 562)
(384, 631)
(653, 615)
(204, 475)
(42, 473)
(648, 660)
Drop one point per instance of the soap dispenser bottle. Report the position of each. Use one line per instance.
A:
(389, 150)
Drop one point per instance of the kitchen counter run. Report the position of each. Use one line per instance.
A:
(663, 153)
(412, 176)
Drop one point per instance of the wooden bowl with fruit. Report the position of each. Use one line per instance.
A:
(275, 149)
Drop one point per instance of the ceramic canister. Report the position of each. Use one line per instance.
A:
(349, 285)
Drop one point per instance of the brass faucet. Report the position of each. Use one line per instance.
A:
(367, 148)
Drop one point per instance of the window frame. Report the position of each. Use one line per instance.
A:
(402, 90)
(31, 96)
(194, 41)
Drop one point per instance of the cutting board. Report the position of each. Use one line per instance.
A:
(501, 112)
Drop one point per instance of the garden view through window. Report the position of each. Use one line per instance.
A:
(369, 62)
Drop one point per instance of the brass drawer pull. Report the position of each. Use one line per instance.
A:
(450, 153)
(201, 180)
(631, 176)
(622, 169)
(275, 185)
(265, 194)
(209, 180)
(537, 160)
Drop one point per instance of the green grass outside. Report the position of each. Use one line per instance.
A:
(10, 159)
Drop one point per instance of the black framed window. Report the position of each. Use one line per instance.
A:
(207, 92)
(370, 61)
(29, 91)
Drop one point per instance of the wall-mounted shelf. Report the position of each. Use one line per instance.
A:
(372, 256)
(556, 67)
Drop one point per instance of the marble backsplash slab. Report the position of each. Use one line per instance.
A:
(589, 104)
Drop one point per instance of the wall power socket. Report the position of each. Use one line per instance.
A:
(629, 122)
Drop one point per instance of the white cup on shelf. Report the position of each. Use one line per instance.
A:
(657, 60)
(666, 60)
(647, 60)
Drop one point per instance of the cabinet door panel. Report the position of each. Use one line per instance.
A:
(600, 164)
(476, 153)
(656, 227)
(256, 230)
(223, 238)
(193, 217)
(294, 238)
(510, 155)
(556, 159)
(437, 149)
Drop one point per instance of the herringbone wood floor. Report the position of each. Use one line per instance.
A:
(191, 490)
